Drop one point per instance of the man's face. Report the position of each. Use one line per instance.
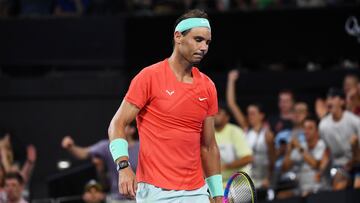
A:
(300, 113)
(13, 189)
(335, 103)
(350, 83)
(310, 129)
(254, 115)
(93, 195)
(285, 102)
(195, 44)
(221, 118)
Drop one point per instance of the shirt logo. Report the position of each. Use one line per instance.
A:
(202, 99)
(170, 92)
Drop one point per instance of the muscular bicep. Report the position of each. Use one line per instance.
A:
(123, 117)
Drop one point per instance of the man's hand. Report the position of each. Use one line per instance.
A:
(127, 182)
(295, 142)
(218, 199)
(320, 107)
(31, 153)
(67, 142)
(233, 75)
(354, 141)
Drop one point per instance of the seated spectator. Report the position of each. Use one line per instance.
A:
(103, 161)
(14, 186)
(70, 7)
(93, 193)
(235, 153)
(285, 186)
(340, 130)
(300, 113)
(304, 159)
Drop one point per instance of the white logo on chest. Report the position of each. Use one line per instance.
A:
(202, 99)
(170, 92)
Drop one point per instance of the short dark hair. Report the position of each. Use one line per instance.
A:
(259, 106)
(223, 105)
(195, 13)
(312, 118)
(287, 91)
(336, 92)
(15, 175)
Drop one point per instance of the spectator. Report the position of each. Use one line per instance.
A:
(352, 91)
(235, 153)
(70, 7)
(9, 165)
(93, 193)
(341, 130)
(100, 155)
(300, 113)
(284, 119)
(304, 159)
(261, 141)
(14, 186)
(284, 184)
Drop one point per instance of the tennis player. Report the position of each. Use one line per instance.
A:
(174, 105)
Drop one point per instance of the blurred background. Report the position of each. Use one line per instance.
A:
(65, 66)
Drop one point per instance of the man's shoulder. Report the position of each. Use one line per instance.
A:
(204, 78)
(351, 116)
(325, 121)
(153, 68)
(235, 129)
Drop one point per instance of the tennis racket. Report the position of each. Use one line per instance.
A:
(240, 189)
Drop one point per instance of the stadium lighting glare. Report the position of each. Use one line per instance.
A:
(63, 164)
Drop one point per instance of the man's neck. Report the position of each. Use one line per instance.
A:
(257, 127)
(181, 67)
(287, 115)
(313, 141)
(337, 115)
(220, 128)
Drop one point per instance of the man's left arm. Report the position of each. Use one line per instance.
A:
(210, 157)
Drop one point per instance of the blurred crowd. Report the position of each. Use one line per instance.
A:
(298, 151)
(148, 7)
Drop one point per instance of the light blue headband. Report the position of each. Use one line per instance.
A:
(191, 23)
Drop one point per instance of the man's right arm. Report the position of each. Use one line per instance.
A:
(123, 117)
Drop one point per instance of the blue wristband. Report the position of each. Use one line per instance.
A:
(119, 148)
(215, 185)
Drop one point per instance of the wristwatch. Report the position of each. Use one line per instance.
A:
(122, 164)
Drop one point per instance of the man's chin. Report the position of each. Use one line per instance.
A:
(196, 62)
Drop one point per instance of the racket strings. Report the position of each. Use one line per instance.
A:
(240, 191)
